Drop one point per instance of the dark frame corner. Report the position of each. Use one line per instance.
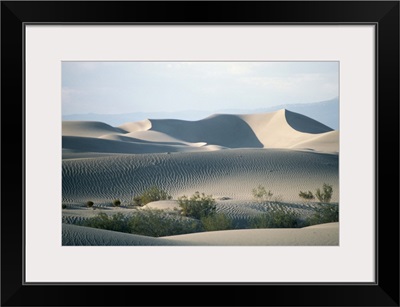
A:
(384, 14)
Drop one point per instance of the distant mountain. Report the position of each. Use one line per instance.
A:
(326, 112)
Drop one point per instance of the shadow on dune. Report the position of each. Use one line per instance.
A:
(98, 145)
(305, 124)
(222, 129)
(88, 128)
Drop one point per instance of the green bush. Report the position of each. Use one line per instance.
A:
(216, 222)
(116, 203)
(326, 213)
(148, 222)
(64, 206)
(276, 219)
(197, 206)
(306, 195)
(325, 195)
(152, 194)
(116, 222)
(156, 223)
(89, 204)
(260, 193)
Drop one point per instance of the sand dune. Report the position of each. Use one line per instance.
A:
(285, 129)
(280, 129)
(149, 137)
(159, 137)
(114, 144)
(78, 235)
(224, 130)
(325, 234)
(143, 125)
(163, 205)
(88, 128)
(326, 142)
(229, 173)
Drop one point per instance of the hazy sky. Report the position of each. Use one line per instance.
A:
(128, 87)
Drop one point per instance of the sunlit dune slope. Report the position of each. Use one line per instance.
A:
(319, 235)
(280, 129)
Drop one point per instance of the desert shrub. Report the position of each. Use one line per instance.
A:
(260, 193)
(197, 206)
(156, 223)
(151, 194)
(216, 221)
(89, 204)
(116, 203)
(137, 200)
(326, 213)
(64, 206)
(116, 222)
(148, 222)
(325, 195)
(306, 195)
(276, 219)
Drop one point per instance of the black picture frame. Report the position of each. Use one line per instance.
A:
(383, 14)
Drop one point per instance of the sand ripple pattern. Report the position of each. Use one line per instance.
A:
(85, 236)
(228, 173)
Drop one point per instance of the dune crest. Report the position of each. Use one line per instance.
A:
(324, 234)
(143, 125)
(88, 128)
(222, 129)
(281, 129)
(285, 129)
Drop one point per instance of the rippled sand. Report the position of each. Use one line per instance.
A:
(226, 173)
(223, 155)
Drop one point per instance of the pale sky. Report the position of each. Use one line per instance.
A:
(129, 87)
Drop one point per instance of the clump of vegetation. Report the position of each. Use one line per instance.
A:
(156, 223)
(326, 213)
(89, 204)
(151, 194)
(325, 195)
(261, 194)
(116, 222)
(216, 222)
(64, 206)
(277, 219)
(306, 195)
(148, 222)
(116, 203)
(197, 206)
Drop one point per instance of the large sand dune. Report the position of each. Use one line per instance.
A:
(280, 129)
(324, 234)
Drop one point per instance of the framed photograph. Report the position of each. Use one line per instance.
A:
(240, 146)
